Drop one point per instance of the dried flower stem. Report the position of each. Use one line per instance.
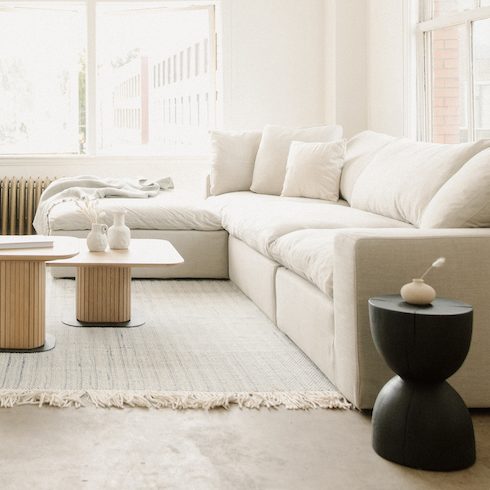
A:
(437, 263)
(89, 208)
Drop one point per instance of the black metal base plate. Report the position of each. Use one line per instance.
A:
(49, 343)
(136, 321)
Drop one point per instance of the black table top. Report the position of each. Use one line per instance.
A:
(438, 307)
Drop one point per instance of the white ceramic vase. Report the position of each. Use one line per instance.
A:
(418, 292)
(97, 238)
(119, 234)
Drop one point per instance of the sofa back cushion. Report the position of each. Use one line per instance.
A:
(270, 164)
(464, 200)
(233, 156)
(360, 150)
(403, 177)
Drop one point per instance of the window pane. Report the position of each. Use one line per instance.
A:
(41, 55)
(153, 83)
(482, 78)
(449, 86)
(442, 7)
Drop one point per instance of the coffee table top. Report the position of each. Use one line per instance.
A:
(63, 247)
(141, 253)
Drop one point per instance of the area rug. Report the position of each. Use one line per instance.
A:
(204, 345)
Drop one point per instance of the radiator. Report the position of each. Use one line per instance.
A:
(19, 198)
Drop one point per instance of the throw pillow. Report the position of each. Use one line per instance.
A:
(313, 170)
(270, 164)
(464, 200)
(232, 160)
(403, 177)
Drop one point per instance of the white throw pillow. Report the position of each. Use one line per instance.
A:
(232, 160)
(313, 170)
(359, 152)
(464, 200)
(270, 164)
(403, 177)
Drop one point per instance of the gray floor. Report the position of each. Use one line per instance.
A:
(92, 448)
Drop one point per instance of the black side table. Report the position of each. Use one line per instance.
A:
(419, 420)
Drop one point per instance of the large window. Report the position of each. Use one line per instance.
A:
(455, 79)
(100, 77)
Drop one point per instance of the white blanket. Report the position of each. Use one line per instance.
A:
(93, 187)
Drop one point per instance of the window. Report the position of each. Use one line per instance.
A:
(94, 76)
(455, 79)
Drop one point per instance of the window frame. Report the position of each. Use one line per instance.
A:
(426, 25)
(91, 154)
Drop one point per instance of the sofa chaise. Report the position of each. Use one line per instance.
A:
(310, 264)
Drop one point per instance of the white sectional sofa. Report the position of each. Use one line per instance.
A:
(311, 264)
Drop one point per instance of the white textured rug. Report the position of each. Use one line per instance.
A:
(204, 345)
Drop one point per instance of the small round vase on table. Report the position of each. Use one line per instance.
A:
(419, 420)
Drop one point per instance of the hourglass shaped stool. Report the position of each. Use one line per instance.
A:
(419, 420)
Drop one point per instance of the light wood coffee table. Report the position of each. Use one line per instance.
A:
(23, 295)
(103, 297)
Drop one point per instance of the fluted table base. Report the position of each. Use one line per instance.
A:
(22, 305)
(103, 297)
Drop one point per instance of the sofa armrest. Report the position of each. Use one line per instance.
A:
(373, 262)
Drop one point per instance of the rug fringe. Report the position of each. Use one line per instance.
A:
(176, 400)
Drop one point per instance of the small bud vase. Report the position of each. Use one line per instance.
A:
(119, 234)
(97, 238)
(418, 292)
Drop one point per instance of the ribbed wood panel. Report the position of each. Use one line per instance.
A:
(22, 304)
(19, 198)
(103, 294)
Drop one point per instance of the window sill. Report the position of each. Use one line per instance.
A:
(64, 160)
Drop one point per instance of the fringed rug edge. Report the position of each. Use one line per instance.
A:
(175, 400)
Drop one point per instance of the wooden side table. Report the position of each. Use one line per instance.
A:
(23, 295)
(419, 420)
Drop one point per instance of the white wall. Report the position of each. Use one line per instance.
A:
(274, 63)
(390, 68)
(385, 68)
(351, 65)
(369, 69)
(330, 60)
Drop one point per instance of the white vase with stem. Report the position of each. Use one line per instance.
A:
(97, 236)
(418, 292)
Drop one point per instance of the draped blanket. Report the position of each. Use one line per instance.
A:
(93, 187)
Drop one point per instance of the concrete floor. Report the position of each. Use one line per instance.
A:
(90, 448)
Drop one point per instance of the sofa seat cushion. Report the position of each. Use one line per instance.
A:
(260, 220)
(308, 253)
(170, 210)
